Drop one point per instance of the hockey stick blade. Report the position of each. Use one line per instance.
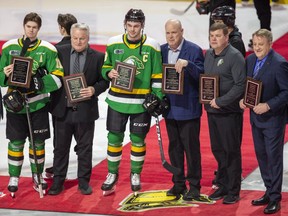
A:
(170, 168)
(178, 12)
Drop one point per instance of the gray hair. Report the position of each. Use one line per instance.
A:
(81, 26)
(264, 33)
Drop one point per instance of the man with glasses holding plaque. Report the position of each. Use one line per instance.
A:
(76, 118)
(225, 117)
(46, 70)
(142, 52)
(183, 117)
(268, 118)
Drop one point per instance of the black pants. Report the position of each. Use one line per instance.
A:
(184, 140)
(83, 134)
(269, 144)
(225, 136)
(263, 10)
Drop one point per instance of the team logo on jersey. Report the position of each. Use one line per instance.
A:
(135, 61)
(220, 62)
(119, 51)
(14, 52)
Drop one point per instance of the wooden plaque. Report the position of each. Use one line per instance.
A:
(209, 88)
(22, 72)
(253, 92)
(126, 77)
(172, 81)
(73, 84)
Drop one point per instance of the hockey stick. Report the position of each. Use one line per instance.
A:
(33, 146)
(166, 165)
(178, 12)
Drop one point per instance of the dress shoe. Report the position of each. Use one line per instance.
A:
(272, 207)
(176, 191)
(231, 199)
(192, 194)
(55, 189)
(264, 200)
(85, 190)
(218, 194)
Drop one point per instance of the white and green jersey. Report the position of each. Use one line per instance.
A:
(148, 75)
(44, 55)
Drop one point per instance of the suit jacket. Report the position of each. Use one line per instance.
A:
(86, 110)
(274, 77)
(186, 106)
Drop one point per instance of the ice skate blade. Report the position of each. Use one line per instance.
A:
(215, 187)
(135, 193)
(37, 189)
(109, 192)
(12, 194)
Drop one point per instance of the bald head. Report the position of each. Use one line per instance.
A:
(174, 33)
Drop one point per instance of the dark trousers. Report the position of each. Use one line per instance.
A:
(184, 140)
(263, 10)
(83, 134)
(269, 144)
(225, 137)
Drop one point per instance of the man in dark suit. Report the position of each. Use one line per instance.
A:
(269, 116)
(77, 119)
(183, 118)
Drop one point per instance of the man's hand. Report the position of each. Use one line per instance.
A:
(261, 108)
(113, 74)
(87, 92)
(180, 64)
(213, 104)
(8, 70)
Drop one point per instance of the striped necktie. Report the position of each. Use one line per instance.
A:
(76, 65)
(257, 67)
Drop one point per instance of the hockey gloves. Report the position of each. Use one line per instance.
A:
(13, 101)
(36, 83)
(154, 105)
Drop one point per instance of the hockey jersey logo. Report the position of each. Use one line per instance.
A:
(135, 61)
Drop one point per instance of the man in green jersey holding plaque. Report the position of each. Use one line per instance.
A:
(46, 70)
(137, 49)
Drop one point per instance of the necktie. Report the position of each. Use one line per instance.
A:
(258, 66)
(76, 65)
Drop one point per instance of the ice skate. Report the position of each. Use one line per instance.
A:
(13, 185)
(135, 183)
(43, 183)
(109, 186)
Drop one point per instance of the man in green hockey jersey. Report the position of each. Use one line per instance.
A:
(46, 70)
(137, 49)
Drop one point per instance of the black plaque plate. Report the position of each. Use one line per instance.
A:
(126, 77)
(73, 84)
(253, 92)
(22, 72)
(209, 88)
(172, 81)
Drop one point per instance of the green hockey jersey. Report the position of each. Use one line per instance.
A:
(148, 75)
(44, 55)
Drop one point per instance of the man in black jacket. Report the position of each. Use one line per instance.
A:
(77, 119)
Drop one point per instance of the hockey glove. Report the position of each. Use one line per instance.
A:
(13, 101)
(163, 107)
(202, 7)
(36, 83)
(150, 103)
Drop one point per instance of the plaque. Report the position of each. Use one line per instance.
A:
(253, 91)
(73, 84)
(126, 77)
(172, 81)
(21, 72)
(209, 88)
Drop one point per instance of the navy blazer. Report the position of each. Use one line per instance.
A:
(186, 106)
(86, 110)
(274, 77)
